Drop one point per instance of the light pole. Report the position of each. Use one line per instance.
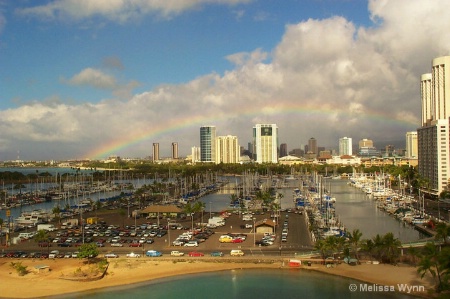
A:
(168, 229)
(254, 232)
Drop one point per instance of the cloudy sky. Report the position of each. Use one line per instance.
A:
(92, 78)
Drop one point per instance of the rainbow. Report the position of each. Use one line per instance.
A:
(280, 109)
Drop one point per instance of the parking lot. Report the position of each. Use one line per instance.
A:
(122, 236)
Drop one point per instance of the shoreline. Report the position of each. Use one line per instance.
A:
(132, 272)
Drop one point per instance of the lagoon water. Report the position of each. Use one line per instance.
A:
(246, 284)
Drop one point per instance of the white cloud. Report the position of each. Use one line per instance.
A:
(325, 79)
(117, 10)
(94, 78)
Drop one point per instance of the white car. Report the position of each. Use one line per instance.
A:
(134, 255)
(177, 243)
(53, 254)
(116, 244)
(191, 244)
(176, 253)
(112, 255)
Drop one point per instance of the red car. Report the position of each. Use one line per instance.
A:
(135, 245)
(237, 240)
(195, 253)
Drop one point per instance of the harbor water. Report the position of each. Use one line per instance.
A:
(354, 208)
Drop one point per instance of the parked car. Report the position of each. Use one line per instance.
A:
(153, 253)
(195, 253)
(237, 240)
(236, 252)
(53, 254)
(176, 253)
(191, 244)
(135, 245)
(111, 255)
(216, 253)
(134, 255)
(116, 244)
(177, 243)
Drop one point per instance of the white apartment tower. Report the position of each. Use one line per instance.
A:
(345, 146)
(433, 135)
(265, 143)
(411, 144)
(195, 154)
(155, 152)
(207, 144)
(227, 149)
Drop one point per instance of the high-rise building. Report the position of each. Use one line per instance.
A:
(345, 146)
(195, 154)
(155, 152)
(411, 144)
(207, 144)
(365, 143)
(312, 146)
(283, 150)
(433, 136)
(175, 150)
(265, 143)
(227, 149)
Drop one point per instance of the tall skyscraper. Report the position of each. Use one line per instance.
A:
(312, 146)
(433, 136)
(345, 146)
(283, 150)
(195, 154)
(265, 143)
(174, 150)
(227, 149)
(208, 144)
(155, 152)
(411, 144)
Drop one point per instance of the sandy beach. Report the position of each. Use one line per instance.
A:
(129, 271)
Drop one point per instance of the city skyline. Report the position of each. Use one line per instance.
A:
(93, 80)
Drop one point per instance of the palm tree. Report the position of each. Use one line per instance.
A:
(355, 241)
(391, 247)
(442, 232)
(42, 236)
(57, 213)
(199, 206)
(435, 262)
(189, 210)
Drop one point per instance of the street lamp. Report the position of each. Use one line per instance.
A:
(254, 232)
(168, 229)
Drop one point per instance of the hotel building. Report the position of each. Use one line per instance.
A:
(433, 135)
(227, 149)
(345, 146)
(411, 144)
(265, 143)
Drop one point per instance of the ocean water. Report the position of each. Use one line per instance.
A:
(245, 284)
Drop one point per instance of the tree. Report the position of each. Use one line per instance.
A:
(189, 210)
(42, 236)
(57, 213)
(436, 263)
(89, 251)
(442, 232)
(390, 248)
(355, 241)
